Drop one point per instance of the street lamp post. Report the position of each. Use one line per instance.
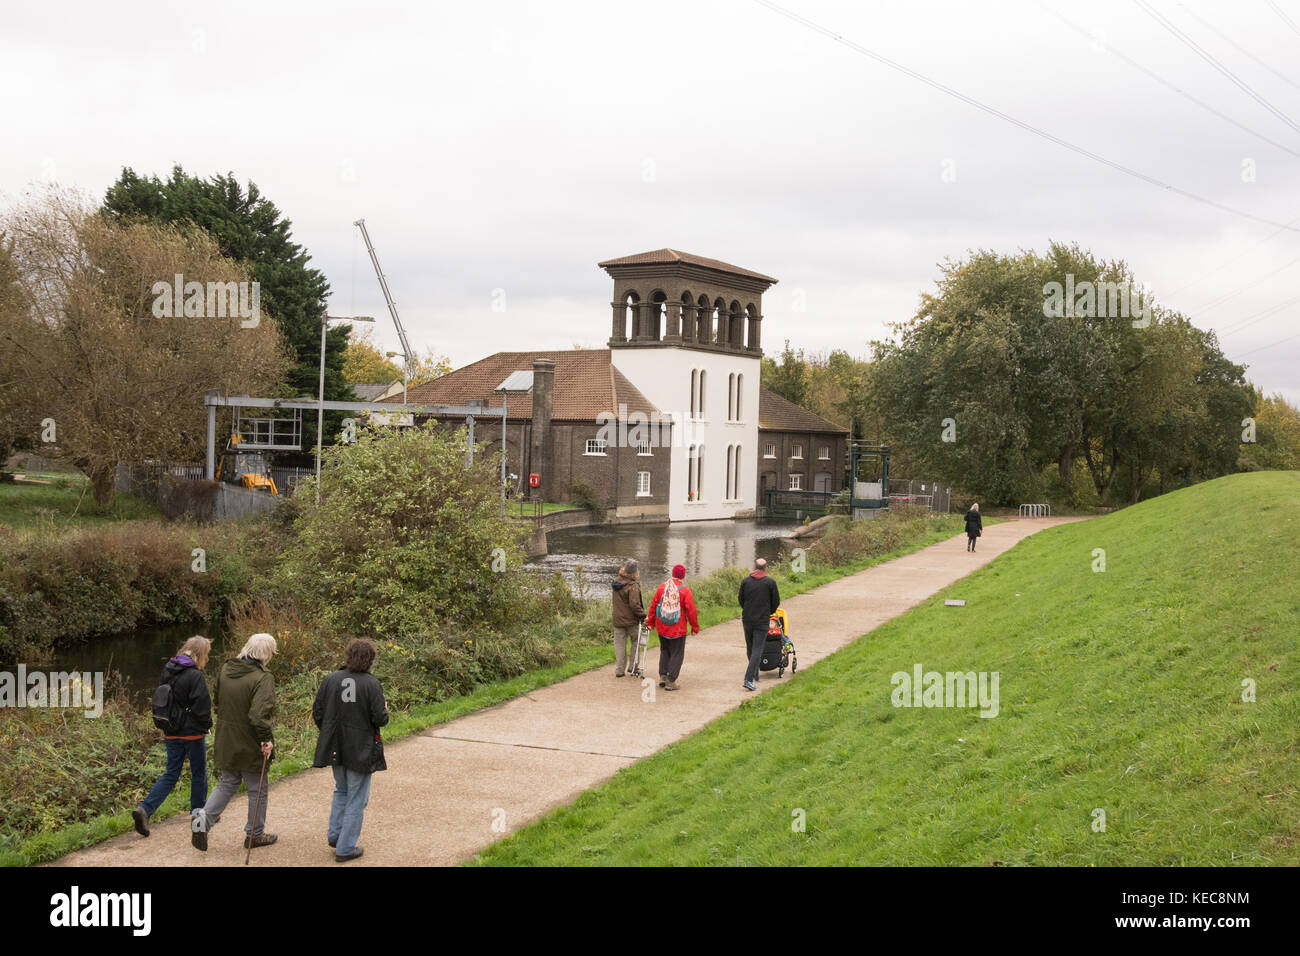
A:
(406, 367)
(325, 320)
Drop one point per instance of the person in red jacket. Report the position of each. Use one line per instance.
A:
(680, 611)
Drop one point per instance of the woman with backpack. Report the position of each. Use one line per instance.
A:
(671, 610)
(182, 710)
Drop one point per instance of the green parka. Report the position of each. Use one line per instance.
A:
(245, 697)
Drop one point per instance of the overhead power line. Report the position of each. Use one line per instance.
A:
(1285, 19)
(1270, 345)
(1232, 295)
(1006, 117)
(1161, 80)
(1260, 316)
(1209, 58)
(1236, 46)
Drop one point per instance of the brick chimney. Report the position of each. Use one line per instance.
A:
(542, 451)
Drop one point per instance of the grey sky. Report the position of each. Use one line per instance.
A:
(511, 146)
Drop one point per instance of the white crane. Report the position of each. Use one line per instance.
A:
(388, 298)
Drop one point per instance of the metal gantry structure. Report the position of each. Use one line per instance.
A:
(860, 451)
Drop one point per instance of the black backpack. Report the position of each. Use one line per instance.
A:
(168, 714)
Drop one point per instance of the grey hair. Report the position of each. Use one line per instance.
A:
(630, 567)
(259, 647)
(760, 563)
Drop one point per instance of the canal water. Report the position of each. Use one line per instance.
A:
(701, 546)
(139, 655)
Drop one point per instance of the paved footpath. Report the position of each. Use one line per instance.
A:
(457, 787)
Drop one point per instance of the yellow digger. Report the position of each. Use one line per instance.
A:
(248, 469)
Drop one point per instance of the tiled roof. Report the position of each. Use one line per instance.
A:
(777, 414)
(586, 384)
(669, 256)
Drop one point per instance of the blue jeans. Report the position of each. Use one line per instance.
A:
(351, 794)
(755, 638)
(178, 751)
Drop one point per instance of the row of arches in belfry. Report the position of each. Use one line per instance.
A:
(702, 321)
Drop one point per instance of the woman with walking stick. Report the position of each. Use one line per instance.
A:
(244, 692)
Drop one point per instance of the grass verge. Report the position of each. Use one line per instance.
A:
(1147, 717)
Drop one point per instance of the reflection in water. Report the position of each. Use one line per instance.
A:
(702, 546)
(139, 655)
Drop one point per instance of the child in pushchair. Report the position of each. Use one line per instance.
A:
(778, 650)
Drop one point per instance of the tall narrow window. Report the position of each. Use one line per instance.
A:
(740, 385)
(699, 469)
(731, 399)
(731, 451)
(735, 481)
(690, 473)
(695, 382)
(701, 402)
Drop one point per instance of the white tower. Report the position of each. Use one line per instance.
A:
(694, 351)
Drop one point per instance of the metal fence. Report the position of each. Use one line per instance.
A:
(800, 504)
(921, 492)
(1036, 511)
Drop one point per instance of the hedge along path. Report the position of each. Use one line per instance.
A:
(456, 788)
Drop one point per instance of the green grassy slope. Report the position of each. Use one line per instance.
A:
(64, 503)
(1119, 691)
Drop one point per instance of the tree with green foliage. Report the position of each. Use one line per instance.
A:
(97, 369)
(989, 383)
(250, 229)
(1276, 441)
(789, 378)
(407, 537)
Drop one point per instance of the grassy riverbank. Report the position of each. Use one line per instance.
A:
(1147, 716)
(52, 802)
(57, 503)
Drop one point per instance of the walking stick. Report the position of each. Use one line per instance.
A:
(257, 806)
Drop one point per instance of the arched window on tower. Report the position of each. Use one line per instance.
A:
(630, 309)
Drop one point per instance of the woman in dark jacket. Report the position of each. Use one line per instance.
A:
(188, 739)
(974, 526)
(627, 614)
(349, 711)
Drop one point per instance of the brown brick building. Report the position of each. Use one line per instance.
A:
(798, 451)
(685, 329)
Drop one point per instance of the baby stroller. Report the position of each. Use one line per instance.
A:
(778, 650)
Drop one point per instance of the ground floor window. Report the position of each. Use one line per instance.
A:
(796, 482)
(642, 484)
(695, 473)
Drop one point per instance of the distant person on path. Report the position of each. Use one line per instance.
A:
(671, 611)
(628, 612)
(185, 708)
(759, 599)
(349, 710)
(245, 697)
(974, 526)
